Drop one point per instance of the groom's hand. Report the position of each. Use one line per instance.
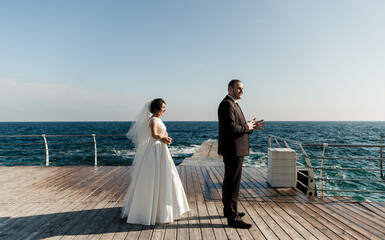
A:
(259, 124)
(251, 124)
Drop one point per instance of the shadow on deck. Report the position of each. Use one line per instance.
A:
(83, 202)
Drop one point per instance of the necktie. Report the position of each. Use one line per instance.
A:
(239, 107)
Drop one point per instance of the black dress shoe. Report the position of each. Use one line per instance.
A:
(239, 214)
(239, 224)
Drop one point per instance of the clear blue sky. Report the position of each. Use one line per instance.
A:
(100, 60)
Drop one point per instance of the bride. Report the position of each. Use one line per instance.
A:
(155, 194)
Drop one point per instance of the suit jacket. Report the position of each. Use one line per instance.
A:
(233, 139)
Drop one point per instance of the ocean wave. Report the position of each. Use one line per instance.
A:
(175, 151)
(124, 153)
(178, 151)
(255, 159)
(211, 140)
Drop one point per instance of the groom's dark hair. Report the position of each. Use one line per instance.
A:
(232, 82)
(156, 105)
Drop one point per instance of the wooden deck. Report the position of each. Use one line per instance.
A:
(83, 202)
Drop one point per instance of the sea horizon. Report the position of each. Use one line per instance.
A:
(189, 121)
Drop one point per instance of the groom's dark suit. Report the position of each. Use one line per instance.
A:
(233, 145)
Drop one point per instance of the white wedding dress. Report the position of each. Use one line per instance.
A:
(155, 194)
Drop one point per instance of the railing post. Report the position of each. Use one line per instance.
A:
(382, 160)
(311, 182)
(46, 150)
(322, 168)
(269, 141)
(96, 150)
(276, 141)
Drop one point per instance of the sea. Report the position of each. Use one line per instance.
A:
(113, 148)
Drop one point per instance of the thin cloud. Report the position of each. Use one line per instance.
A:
(26, 101)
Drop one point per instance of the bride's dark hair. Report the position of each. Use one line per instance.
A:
(156, 105)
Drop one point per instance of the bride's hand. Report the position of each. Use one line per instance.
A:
(166, 140)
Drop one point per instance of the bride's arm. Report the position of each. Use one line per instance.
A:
(154, 133)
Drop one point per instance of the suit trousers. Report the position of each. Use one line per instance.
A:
(230, 187)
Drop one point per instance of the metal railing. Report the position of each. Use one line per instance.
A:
(85, 140)
(311, 186)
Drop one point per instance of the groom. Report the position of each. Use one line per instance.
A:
(233, 145)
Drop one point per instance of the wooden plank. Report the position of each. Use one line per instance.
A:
(13, 178)
(333, 220)
(35, 228)
(348, 221)
(8, 220)
(300, 221)
(15, 215)
(170, 230)
(329, 208)
(204, 220)
(26, 226)
(53, 181)
(182, 224)
(275, 211)
(45, 193)
(123, 228)
(117, 226)
(48, 202)
(367, 216)
(119, 229)
(133, 233)
(243, 233)
(275, 229)
(318, 221)
(232, 232)
(146, 232)
(338, 220)
(88, 221)
(19, 189)
(193, 222)
(17, 226)
(346, 209)
(86, 209)
(99, 221)
(215, 216)
(62, 218)
(264, 213)
(159, 232)
(105, 224)
(377, 208)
